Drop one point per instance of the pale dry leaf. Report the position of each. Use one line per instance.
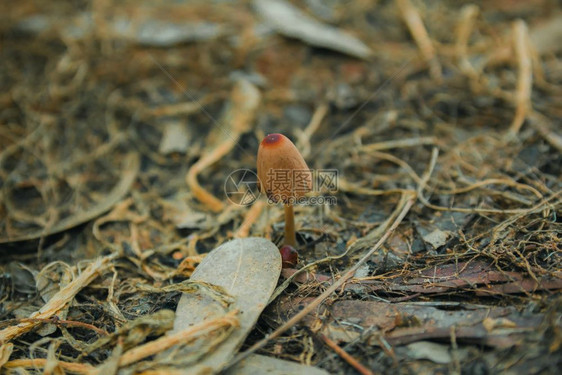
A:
(290, 21)
(247, 269)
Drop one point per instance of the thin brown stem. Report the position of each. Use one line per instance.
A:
(290, 235)
(346, 356)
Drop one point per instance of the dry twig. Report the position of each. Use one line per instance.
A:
(346, 356)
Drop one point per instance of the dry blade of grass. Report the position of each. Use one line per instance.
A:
(37, 363)
(464, 30)
(315, 122)
(251, 216)
(415, 24)
(524, 75)
(245, 99)
(202, 329)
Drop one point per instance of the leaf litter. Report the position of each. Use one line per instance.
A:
(441, 254)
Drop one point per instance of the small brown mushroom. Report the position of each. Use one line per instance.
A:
(284, 177)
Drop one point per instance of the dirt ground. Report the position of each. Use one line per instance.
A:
(120, 123)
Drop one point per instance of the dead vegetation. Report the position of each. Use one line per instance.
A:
(120, 122)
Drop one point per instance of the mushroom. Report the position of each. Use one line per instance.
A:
(284, 177)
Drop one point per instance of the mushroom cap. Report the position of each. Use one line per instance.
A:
(282, 171)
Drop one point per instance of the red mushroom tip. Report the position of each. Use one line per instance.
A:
(272, 140)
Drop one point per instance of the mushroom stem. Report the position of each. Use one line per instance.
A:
(290, 235)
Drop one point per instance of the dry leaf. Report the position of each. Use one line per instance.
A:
(247, 269)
